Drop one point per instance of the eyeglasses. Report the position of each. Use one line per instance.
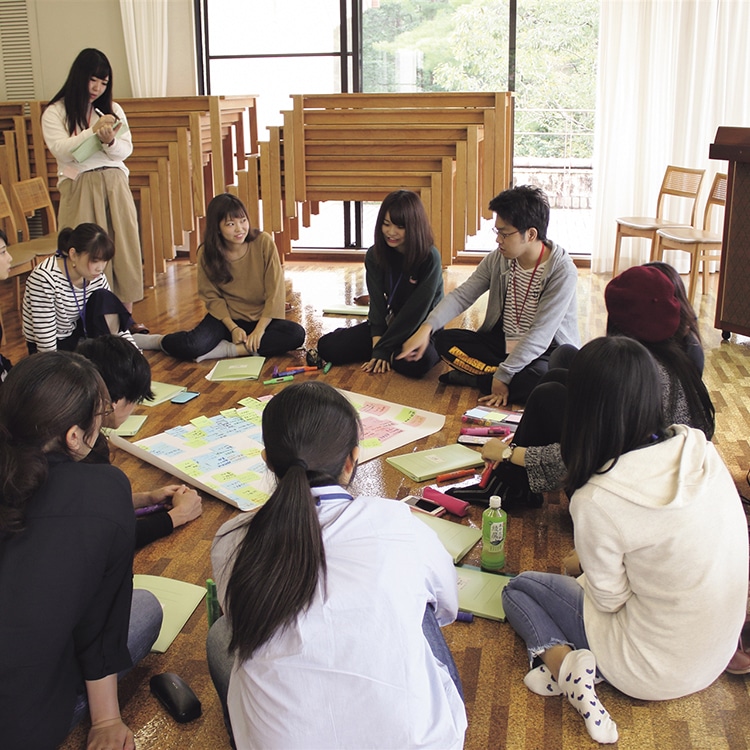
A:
(107, 410)
(505, 235)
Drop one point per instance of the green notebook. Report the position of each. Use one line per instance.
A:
(129, 427)
(178, 601)
(456, 538)
(424, 465)
(92, 144)
(481, 593)
(163, 392)
(240, 368)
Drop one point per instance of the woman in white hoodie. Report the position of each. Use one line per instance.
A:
(661, 536)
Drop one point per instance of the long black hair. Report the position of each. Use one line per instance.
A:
(309, 431)
(43, 396)
(86, 239)
(221, 207)
(90, 63)
(614, 405)
(407, 212)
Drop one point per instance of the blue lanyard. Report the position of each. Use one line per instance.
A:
(333, 496)
(81, 313)
(394, 287)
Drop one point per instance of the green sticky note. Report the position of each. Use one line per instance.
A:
(372, 442)
(190, 467)
(201, 422)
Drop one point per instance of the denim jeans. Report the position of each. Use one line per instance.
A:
(220, 661)
(545, 609)
(281, 336)
(143, 630)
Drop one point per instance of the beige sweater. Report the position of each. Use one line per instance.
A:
(257, 287)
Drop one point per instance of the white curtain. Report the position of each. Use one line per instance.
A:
(144, 23)
(670, 72)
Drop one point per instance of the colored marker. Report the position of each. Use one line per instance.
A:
(464, 616)
(486, 476)
(213, 611)
(146, 509)
(485, 431)
(326, 368)
(455, 475)
(274, 381)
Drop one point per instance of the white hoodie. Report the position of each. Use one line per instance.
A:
(663, 541)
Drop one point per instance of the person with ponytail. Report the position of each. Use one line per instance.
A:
(67, 296)
(69, 618)
(333, 603)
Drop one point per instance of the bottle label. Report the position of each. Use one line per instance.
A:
(497, 533)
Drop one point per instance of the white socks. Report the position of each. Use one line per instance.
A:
(222, 350)
(148, 340)
(576, 678)
(541, 682)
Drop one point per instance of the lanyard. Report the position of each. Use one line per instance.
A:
(518, 312)
(394, 287)
(81, 312)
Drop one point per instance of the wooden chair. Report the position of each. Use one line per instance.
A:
(31, 196)
(702, 244)
(678, 181)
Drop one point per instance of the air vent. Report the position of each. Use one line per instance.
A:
(15, 51)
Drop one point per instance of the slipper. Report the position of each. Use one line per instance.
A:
(138, 328)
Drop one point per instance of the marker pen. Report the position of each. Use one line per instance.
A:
(455, 475)
(274, 381)
(485, 431)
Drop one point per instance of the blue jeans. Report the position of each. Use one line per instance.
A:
(220, 661)
(143, 630)
(281, 336)
(545, 609)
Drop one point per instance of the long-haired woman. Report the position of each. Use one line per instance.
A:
(95, 189)
(67, 626)
(662, 538)
(332, 601)
(241, 282)
(404, 279)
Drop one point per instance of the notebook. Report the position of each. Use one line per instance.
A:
(456, 538)
(480, 592)
(92, 144)
(163, 392)
(129, 427)
(239, 368)
(424, 465)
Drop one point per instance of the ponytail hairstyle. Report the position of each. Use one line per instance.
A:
(86, 239)
(309, 431)
(90, 63)
(43, 396)
(614, 406)
(221, 207)
(407, 212)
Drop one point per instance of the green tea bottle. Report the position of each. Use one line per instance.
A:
(494, 525)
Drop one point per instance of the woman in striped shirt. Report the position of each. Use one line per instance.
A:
(68, 297)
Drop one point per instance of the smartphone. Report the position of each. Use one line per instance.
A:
(184, 397)
(424, 505)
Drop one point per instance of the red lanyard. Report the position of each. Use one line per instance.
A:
(528, 288)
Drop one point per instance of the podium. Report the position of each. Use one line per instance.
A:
(733, 298)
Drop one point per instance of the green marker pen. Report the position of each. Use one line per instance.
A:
(273, 381)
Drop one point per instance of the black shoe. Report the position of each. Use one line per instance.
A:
(313, 359)
(456, 377)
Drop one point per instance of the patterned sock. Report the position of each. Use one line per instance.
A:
(541, 682)
(147, 340)
(222, 350)
(576, 677)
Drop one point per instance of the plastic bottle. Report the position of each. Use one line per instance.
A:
(494, 526)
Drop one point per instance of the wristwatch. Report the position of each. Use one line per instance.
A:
(508, 453)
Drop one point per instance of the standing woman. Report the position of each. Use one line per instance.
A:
(662, 538)
(96, 190)
(241, 282)
(67, 297)
(333, 601)
(404, 279)
(69, 618)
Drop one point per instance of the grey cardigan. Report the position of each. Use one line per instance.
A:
(557, 315)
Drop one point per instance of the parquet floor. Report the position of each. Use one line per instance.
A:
(502, 712)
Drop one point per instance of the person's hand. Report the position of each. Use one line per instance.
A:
(376, 365)
(492, 451)
(572, 565)
(186, 506)
(110, 734)
(104, 128)
(414, 347)
(499, 395)
(238, 335)
(252, 342)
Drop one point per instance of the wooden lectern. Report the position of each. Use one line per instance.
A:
(733, 298)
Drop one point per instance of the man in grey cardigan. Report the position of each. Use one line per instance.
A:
(531, 308)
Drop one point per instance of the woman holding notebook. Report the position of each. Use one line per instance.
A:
(333, 602)
(241, 282)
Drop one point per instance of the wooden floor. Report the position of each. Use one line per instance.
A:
(491, 659)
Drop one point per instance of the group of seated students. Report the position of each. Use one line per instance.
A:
(333, 602)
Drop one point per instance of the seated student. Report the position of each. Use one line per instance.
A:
(404, 279)
(531, 307)
(241, 282)
(644, 303)
(127, 375)
(662, 599)
(332, 601)
(5, 260)
(69, 618)
(67, 296)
